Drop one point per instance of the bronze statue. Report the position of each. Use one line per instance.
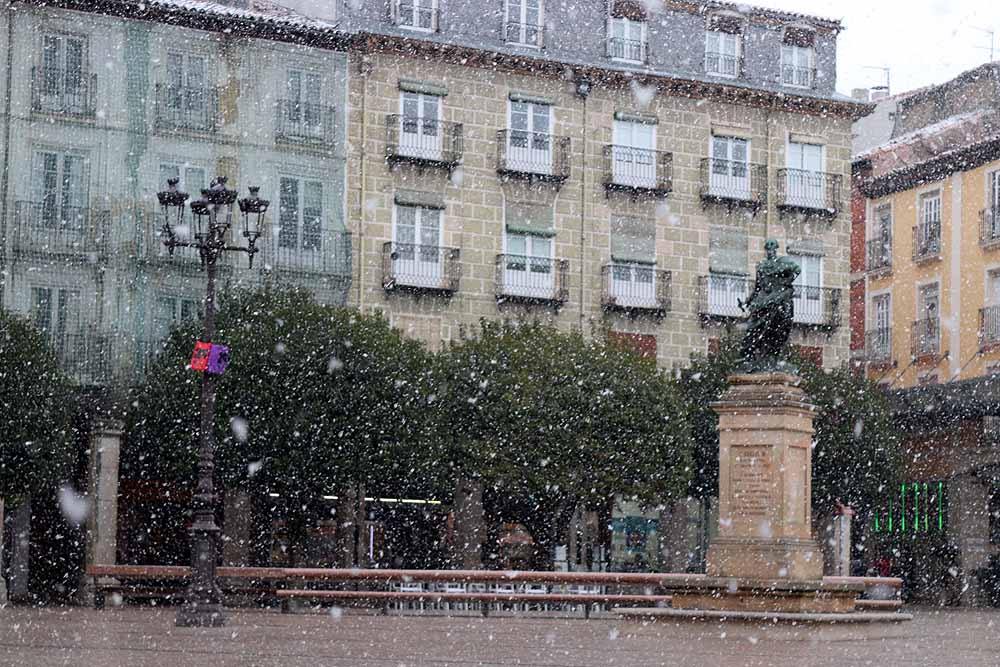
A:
(771, 310)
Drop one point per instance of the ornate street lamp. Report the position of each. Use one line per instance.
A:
(212, 218)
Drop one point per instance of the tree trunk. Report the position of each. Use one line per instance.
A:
(467, 542)
(350, 539)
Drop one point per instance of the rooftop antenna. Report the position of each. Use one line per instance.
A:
(992, 48)
(884, 70)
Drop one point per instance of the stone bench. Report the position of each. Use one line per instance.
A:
(168, 582)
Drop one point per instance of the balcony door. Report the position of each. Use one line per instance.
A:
(524, 20)
(420, 132)
(417, 241)
(804, 178)
(63, 75)
(529, 269)
(172, 311)
(300, 222)
(187, 78)
(882, 319)
(633, 159)
(730, 169)
(627, 39)
(633, 284)
(305, 95)
(808, 289)
(56, 313)
(59, 191)
(929, 230)
(993, 206)
(529, 140)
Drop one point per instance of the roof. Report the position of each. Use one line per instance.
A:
(949, 402)
(756, 10)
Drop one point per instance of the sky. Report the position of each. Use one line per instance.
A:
(922, 42)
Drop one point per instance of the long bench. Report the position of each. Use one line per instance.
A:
(167, 582)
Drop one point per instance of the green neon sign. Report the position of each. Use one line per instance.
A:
(917, 507)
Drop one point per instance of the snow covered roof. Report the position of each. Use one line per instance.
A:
(256, 10)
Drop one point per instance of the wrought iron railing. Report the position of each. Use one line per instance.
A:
(308, 122)
(423, 141)
(60, 91)
(720, 295)
(816, 306)
(800, 77)
(732, 182)
(989, 227)
(293, 249)
(145, 244)
(47, 229)
(420, 267)
(810, 191)
(417, 16)
(927, 241)
(187, 108)
(638, 170)
(522, 277)
(533, 155)
(635, 287)
(989, 327)
(878, 345)
(84, 354)
(925, 337)
(878, 254)
(524, 34)
(723, 64)
(633, 50)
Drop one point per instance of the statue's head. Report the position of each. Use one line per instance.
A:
(771, 248)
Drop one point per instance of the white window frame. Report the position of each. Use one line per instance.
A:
(723, 37)
(807, 187)
(528, 280)
(73, 198)
(529, 158)
(627, 26)
(729, 183)
(426, 266)
(416, 6)
(793, 52)
(523, 24)
(808, 303)
(291, 253)
(427, 141)
(876, 298)
(632, 162)
(991, 211)
(63, 90)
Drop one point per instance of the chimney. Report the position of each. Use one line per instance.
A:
(860, 94)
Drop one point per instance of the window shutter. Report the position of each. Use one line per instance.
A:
(727, 251)
(725, 23)
(804, 37)
(633, 240)
(534, 219)
(628, 9)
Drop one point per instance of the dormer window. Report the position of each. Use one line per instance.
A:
(724, 45)
(798, 57)
(627, 31)
(416, 14)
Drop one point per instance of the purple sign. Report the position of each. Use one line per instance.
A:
(218, 359)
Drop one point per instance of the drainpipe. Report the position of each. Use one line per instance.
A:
(583, 88)
(5, 176)
(364, 69)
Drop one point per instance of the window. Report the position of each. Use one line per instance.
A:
(808, 289)
(529, 267)
(56, 313)
(171, 311)
(627, 39)
(59, 190)
(305, 96)
(300, 214)
(990, 232)
(928, 301)
(191, 179)
(634, 154)
(730, 168)
(797, 66)
(928, 236)
(530, 144)
(722, 53)
(728, 281)
(524, 22)
(416, 256)
(633, 257)
(880, 336)
(804, 179)
(993, 287)
(927, 329)
(187, 76)
(420, 132)
(63, 77)
(417, 14)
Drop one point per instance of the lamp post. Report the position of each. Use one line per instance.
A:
(212, 219)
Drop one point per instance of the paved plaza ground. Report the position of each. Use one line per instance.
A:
(139, 637)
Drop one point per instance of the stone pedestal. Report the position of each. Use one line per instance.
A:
(765, 482)
(102, 524)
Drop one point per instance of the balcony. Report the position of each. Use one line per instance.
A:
(925, 338)
(638, 171)
(43, 229)
(416, 16)
(989, 327)
(84, 354)
(635, 288)
(810, 192)
(798, 77)
(927, 242)
(304, 123)
(534, 156)
(720, 294)
(878, 346)
(531, 279)
(64, 92)
(816, 307)
(423, 142)
(733, 183)
(187, 109)
(878, 255)
(722, 64)
(524, 34)
(631, 50)
(307, 251)
(989, 228)
(420, 268)
(142, 243)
